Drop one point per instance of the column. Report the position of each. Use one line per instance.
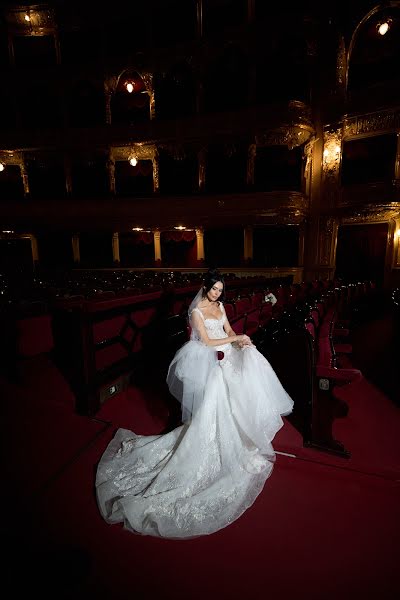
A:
(108, 108)
(24, 176)
(202, 169)
(199, 19)
(248, 244)
(157, 246)
(251, 158)
(397, 163)
(68, 175)
(76, 253)
(34, 249)
(392, 257)
(152, 105)
(200, 245)
(111, 174)
(156, 173)
(115, 248)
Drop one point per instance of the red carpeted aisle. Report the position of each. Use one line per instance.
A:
(316, 531)
(323, 527)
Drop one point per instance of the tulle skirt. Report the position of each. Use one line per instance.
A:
(204, 474)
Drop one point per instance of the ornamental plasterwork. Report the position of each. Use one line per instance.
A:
(138, 151)
(290, 136)
(110, 84)
(308, 152)
(294, 206)
(11, 157)
(370, 214)
(332, 154)
(31, 20)
(379, 121)
(148, 81)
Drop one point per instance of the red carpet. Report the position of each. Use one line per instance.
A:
(323, 527)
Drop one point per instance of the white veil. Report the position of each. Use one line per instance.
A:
(192, 306)
(190, 368)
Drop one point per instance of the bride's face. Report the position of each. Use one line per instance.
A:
(215, 291)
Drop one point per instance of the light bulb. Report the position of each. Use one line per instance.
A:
(383, 28)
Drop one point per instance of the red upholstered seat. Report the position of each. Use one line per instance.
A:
(239, 325)
(257, 299)
(265, 314)
(253, 321)
(242, 306)
(230, 311)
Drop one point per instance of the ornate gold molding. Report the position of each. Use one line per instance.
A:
(139, 151)
(376, 122)
(332, 155)
(31, 20)
(372, 214)
(291, 136)
(11, 157)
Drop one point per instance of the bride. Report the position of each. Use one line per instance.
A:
(204, 474)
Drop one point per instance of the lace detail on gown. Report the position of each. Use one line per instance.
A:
(204, 474)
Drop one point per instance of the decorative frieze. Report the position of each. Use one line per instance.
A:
(376, 122)
(290, 136)
(31, 20)
(373, 214)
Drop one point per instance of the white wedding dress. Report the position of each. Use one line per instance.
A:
(204, 474)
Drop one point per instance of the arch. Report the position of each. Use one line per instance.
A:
(131, 107)
(365, 27)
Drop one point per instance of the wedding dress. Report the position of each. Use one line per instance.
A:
(204, 474)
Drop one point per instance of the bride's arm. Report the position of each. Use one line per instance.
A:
(198, 324)
(244, 341)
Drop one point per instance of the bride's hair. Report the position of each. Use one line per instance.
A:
(211, 278)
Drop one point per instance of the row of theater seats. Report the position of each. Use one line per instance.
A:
(329, 338)
(100, 344)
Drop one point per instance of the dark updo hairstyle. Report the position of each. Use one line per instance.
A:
(211, 278)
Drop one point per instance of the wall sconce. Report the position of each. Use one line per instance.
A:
(2, 166)
(130, 86)
(331, 157)
(137, 228)
(133, 161)
(180, 227)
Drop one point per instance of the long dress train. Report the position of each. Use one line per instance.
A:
(204, 474)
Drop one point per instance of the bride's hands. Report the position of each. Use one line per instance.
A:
(244, 340)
